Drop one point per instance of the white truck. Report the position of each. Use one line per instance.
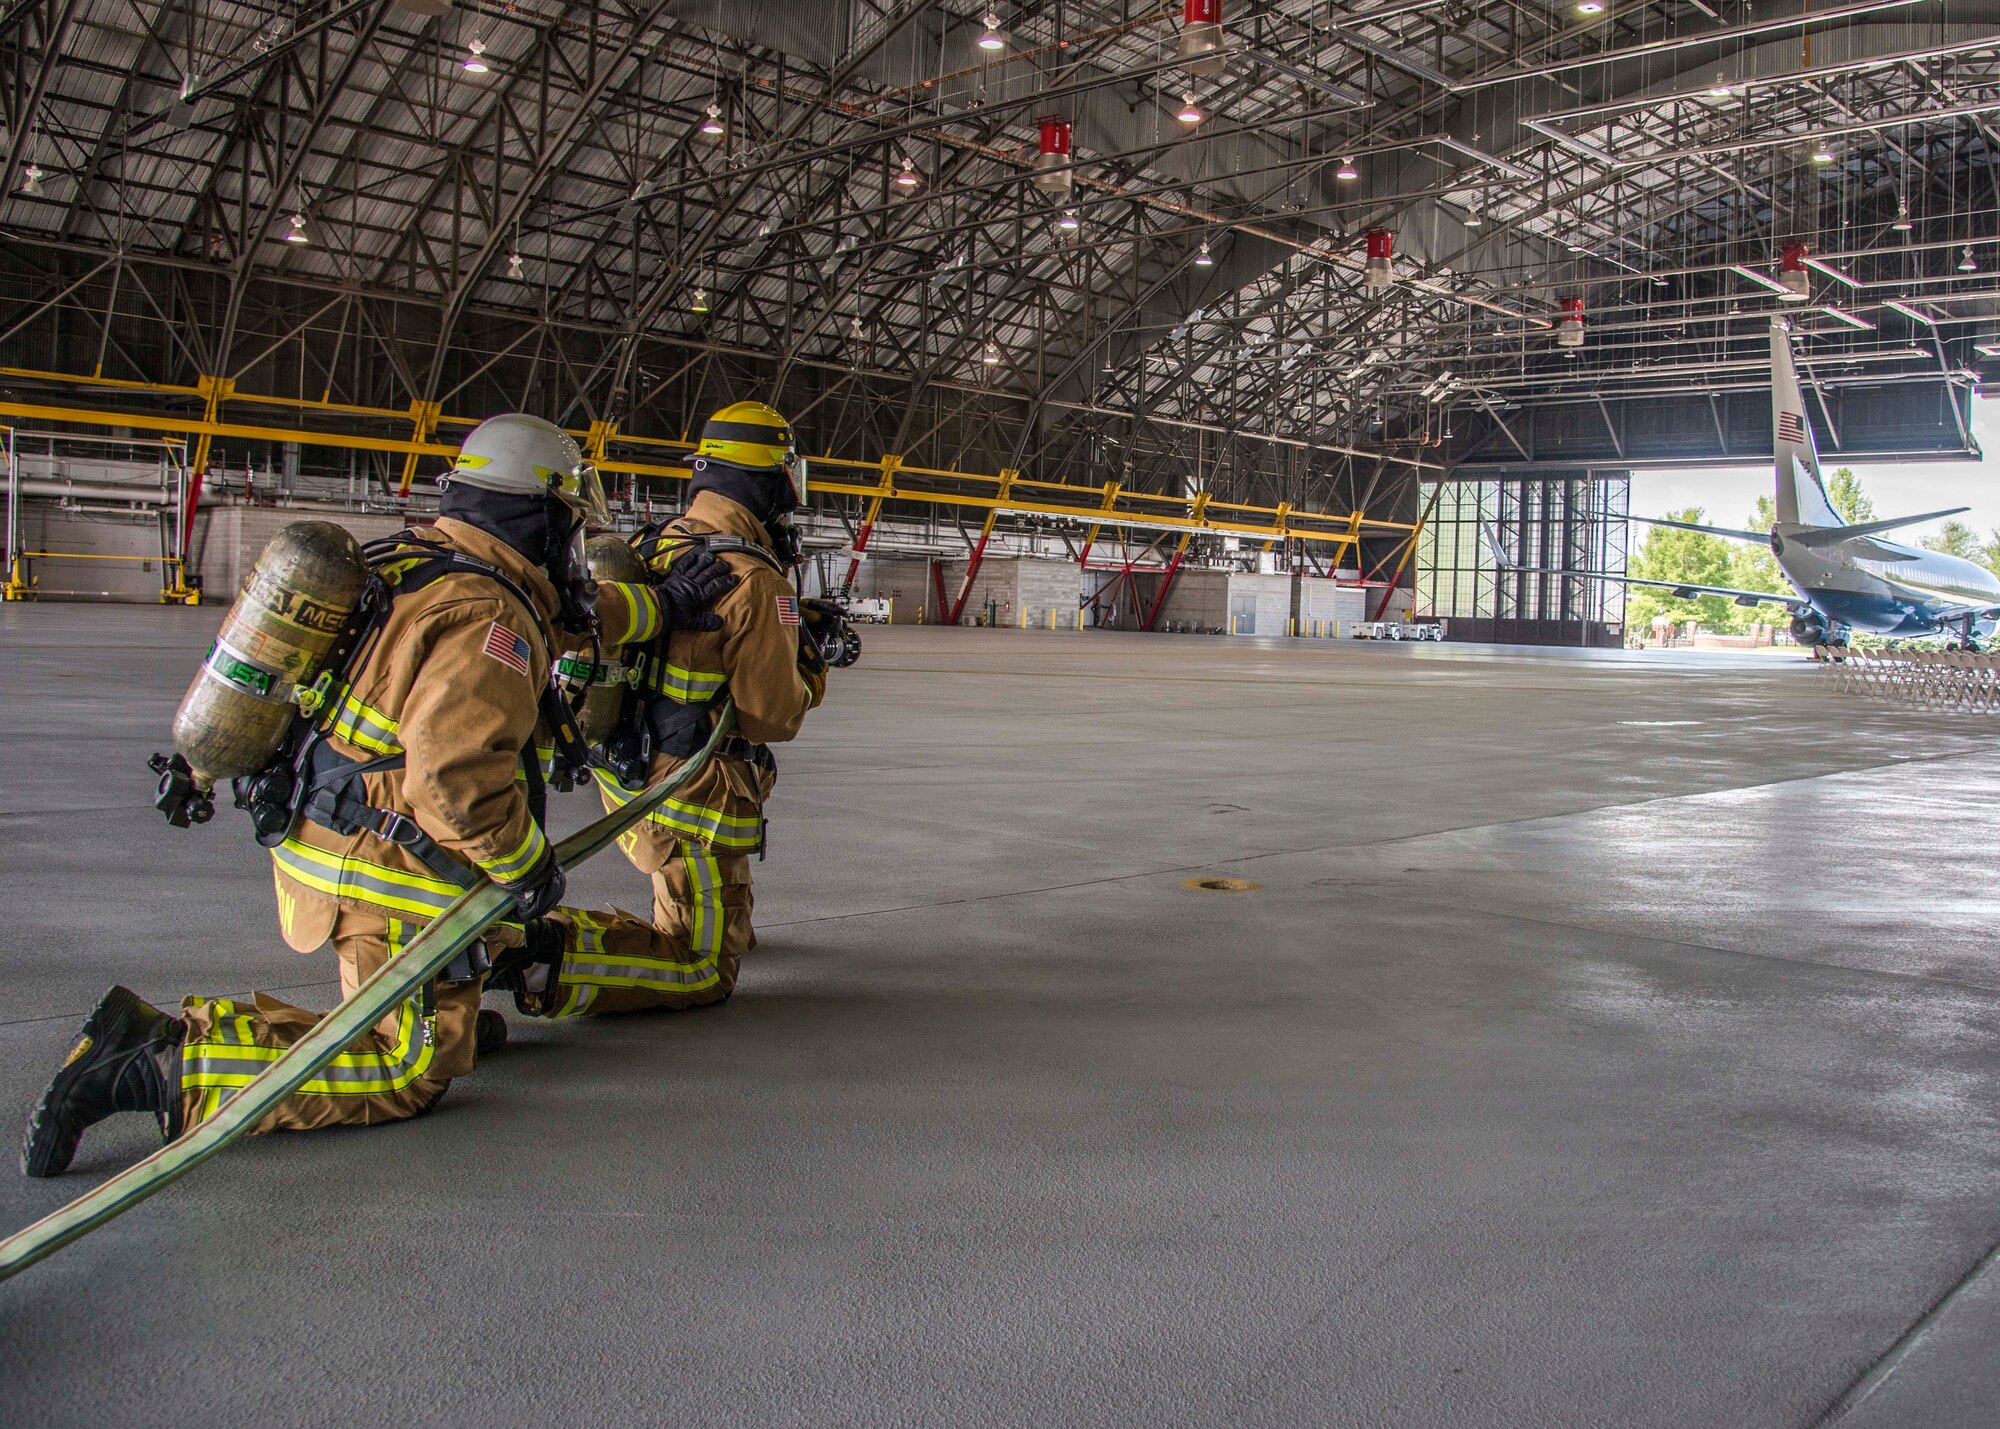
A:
(868, 610)
(1397, 630)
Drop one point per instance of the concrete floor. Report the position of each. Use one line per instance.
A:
(1611, 1041)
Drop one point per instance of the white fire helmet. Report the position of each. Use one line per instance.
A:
(528, 456)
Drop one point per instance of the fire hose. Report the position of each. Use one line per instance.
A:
(442, 939)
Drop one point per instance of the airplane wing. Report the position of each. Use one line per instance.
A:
(1756, 538)
(1832, 535)
(1682, 589)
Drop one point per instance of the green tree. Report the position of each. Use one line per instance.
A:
(1844, 494)
(1956, 539)
(1670, 554)
(1753, 567)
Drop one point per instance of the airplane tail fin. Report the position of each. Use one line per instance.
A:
(1801, 496)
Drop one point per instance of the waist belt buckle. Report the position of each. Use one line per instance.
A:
(399, 829)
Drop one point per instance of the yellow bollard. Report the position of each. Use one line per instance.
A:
(1291, 628)
(1232, 625)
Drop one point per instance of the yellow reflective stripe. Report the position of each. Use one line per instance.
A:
(228, 1055)
(545, 755)
(684, 685)
(588, 964)
(645, 614)
(513, 865)
(642, 611)
(705, 874)
(696, 821)
(365, 728)
(340, 876)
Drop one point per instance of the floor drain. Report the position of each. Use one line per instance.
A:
(1223, 885)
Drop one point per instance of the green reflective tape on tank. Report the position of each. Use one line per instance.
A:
(394, 983)
(238, 671)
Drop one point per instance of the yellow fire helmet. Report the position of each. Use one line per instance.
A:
(528, 456)
(754, 438)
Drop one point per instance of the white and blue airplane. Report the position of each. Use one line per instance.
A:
(1845, 578)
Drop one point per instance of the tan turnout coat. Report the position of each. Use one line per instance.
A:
(754, 658)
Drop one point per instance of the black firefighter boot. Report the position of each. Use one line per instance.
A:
(128, 1058)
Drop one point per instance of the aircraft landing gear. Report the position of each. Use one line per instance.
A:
(1965, 640)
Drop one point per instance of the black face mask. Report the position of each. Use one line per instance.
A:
(785, 541)
(569, 571)
(765, 495)
(543, 530)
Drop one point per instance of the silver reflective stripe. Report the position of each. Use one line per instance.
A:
(366, 728)
(386, 888)
(706, 876)
(229, 666)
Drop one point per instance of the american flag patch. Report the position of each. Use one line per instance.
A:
(507, 647)
(1791, 427)
(788, 610)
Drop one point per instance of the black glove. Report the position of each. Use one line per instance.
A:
(541, 890)
(694, 581)
(821, 622)
(810, 659)
(822, 615)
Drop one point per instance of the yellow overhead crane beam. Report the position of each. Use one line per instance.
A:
(889, 479)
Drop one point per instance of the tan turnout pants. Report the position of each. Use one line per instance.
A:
(395, 1071)
(686, 957)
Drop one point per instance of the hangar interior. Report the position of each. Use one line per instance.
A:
(1604, 1040)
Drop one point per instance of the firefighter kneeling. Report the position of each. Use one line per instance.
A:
(421, 763)
(749, 479)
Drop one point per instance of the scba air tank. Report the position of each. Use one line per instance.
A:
(300, 595)
(611, 559)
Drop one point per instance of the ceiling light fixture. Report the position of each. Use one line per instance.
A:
(1902, 223)
(1590, 7)
(991, 357)
(1068, 223)
(990, 38)
(297, 232)
(908, 178)
(712, 124)
(474, 62)
(1203, 258)
(1190, 112)
(1822, 155)
(1347, 173)
(1720, 89)
(31, 181)
(514, 269)
(1472, 218)
(1965, 264)
(700, 303)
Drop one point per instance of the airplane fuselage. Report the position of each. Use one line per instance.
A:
(1881, 587)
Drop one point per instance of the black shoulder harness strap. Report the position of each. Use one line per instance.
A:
(656, 539)
(310, 780)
